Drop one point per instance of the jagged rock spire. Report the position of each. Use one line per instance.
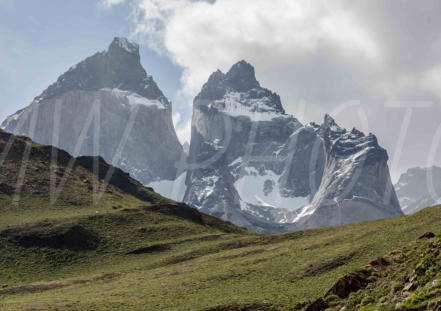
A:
(241, 81)
(241, 77)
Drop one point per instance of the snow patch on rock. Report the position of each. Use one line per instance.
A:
(134, 99)
(264, 189)
(237, 104)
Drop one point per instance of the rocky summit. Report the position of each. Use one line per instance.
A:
(260, 168)
(106, 105)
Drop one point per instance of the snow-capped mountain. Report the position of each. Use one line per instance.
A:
(248, 161)
(107, 105)
(419, 188)
(260, 168)
(355, 185)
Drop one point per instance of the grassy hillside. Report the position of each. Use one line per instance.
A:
(135, 250)
(408, 278)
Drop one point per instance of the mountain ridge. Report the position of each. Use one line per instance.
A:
(249, 162)
(107, 105)
(268, 159)
(118, 67)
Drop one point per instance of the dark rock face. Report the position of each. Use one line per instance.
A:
(60, 236)
(107, 105)
(260, 168)
(419, 188)
(239, 79)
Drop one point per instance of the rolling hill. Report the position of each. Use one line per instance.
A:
(131, 249)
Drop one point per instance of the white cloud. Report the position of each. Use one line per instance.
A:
(183, 131)
(275, 36)
(176, 118)
(202, 37)
(431, 80)
(323, 52)
(107, 4)
(183, 127)
(284, 39)
(151, 18)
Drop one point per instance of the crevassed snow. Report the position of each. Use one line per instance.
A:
(238, 104)
(134, 99)
(172, 189)
(251, 190)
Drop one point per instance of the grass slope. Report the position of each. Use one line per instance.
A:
(408, 278)
(137, 251)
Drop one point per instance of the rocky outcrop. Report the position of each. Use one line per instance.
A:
(107, 105)
(349, 284)
(419, 188)
(260, 168)
(405, 279)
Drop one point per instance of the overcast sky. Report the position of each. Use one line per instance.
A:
(372, 64)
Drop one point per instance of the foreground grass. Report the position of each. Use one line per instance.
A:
(204, 264)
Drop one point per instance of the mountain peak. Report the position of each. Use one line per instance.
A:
(328, 120)
(216, 77)
(118, 67)
(239, 93)
(242, 66)
(242, 77)
(329, 125)
(121, 43)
